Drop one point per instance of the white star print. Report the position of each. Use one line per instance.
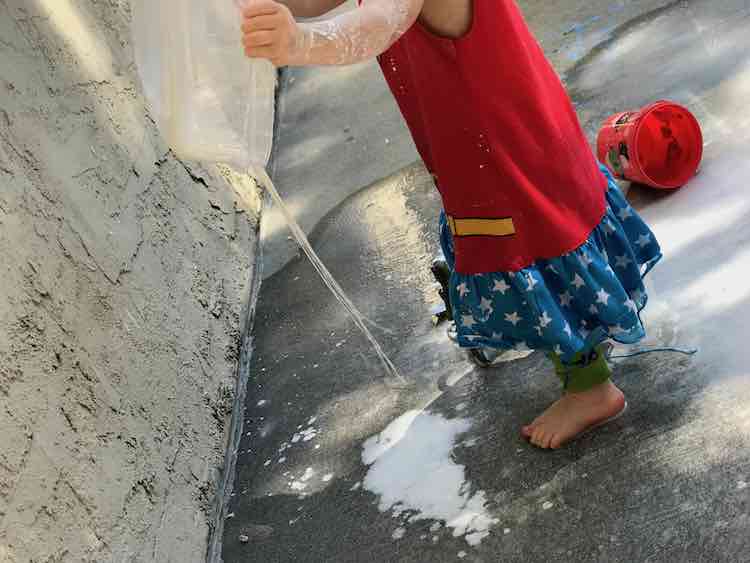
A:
(552, 269)
(501, 286)
(539, 330)
(586, 261)
(643, 241)
(615, 330)
(545, 320)
(578, 281)
(468, 321)
(625, 213)
(463, 289)
(593, 310)
(630, 304)
(602, 297)
(513, 318)
(558, 350)
(486, 306)
(531, 280)
(565, 299)
(567, 330)
(622, 261)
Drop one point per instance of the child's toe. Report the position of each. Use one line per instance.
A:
(556, 442)
(547, 441)
(537, 437)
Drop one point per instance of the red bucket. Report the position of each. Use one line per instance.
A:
(660, 145)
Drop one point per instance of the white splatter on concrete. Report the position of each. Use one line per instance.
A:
(411, 469)
(262, 403)
(475, 538)
(398, 533)
(356, 486)
(327, 477)
(298, 486)
(547, 505)
(461, 554)
(461, 407)
(741, 485)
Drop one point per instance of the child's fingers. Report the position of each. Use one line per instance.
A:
(261, 8)
(259, 39)
(266, 52)
(261, 23)
(267, 31)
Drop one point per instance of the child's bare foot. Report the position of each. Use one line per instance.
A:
(574, 413)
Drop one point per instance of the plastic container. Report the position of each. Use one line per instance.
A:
(660, 145)
(210, 101)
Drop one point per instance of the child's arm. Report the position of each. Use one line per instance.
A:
(270, 32)
(311, 8)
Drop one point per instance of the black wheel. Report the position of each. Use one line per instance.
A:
(483, 357)
(442, 274)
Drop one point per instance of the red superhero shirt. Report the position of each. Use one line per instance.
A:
(496, 128)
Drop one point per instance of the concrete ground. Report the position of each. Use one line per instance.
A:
(339, 464)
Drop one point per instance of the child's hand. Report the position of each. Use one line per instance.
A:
(269, 31)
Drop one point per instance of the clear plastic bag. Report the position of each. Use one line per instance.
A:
(210, 101)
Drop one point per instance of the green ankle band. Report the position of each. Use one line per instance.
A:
(582, 375)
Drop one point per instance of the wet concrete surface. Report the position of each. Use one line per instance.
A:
(667, 482)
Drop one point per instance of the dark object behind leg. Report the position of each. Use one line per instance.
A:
(442, 274)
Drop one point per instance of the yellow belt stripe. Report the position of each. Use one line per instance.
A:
(481, 227)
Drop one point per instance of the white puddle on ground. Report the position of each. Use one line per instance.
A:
(412, 471)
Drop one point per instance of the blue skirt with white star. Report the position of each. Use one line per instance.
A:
(568, 304)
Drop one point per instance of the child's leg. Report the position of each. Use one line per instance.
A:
(583, 373)
(589, 399)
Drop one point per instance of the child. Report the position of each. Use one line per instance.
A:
(545, 251)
